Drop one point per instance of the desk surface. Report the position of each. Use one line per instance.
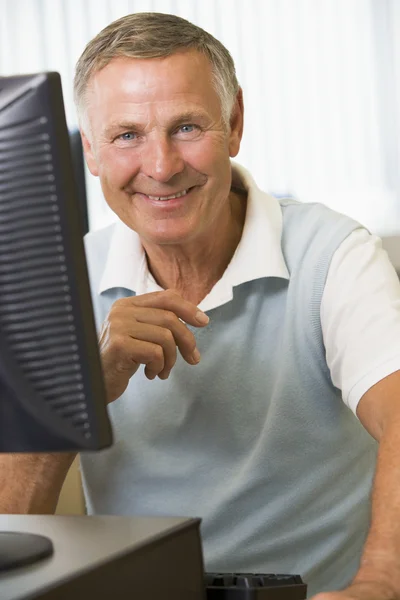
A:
(80, 544)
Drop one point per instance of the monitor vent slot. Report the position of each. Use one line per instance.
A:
(36, 312)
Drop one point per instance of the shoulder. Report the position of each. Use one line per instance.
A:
(360, 316)
(315, 215)
(313, 231)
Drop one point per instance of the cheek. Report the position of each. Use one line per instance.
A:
(204, 155)
(117, 167)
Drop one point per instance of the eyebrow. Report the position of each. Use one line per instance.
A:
(186, 117)
(189, 116)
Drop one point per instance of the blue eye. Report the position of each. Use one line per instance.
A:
(128, 136)
(187, 128)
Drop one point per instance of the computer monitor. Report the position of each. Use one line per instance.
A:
(52, 395)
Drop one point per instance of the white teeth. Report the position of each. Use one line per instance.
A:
(168, 197)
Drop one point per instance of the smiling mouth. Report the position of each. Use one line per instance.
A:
(171, 197)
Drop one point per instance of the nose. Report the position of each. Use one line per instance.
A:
(161, 159)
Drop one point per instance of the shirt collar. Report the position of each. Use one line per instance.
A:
(258, 255)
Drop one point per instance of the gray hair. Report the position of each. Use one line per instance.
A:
(155, 35)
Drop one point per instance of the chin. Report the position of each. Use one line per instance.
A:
(167, 237)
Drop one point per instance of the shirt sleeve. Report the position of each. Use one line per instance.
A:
(360, 316)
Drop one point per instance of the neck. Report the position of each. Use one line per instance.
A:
(194, 268)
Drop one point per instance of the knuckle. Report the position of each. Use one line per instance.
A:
(170, 318)
(120, 307)
(117, 343)
(120, 366)
(115, 331)
(168, 338)
(118, 304)
(114, 313)
(157, 354)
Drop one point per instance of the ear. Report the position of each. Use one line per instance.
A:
(236, 125)
(89, 154)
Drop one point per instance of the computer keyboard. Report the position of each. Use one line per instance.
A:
(254, 586)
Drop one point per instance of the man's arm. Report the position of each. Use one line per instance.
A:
(378, 577)
(31, 483)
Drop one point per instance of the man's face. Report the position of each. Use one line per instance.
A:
(156, 131)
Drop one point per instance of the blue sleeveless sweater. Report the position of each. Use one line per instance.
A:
(256, 440)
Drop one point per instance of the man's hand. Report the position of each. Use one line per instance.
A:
(147, 330)
(366, 590)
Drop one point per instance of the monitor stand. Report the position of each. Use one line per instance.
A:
(103, 557)
(19, 549)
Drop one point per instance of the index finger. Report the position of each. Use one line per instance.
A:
(172, 301)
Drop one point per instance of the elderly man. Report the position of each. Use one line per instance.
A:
(269, 333)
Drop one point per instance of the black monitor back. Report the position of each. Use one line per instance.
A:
(52, 395)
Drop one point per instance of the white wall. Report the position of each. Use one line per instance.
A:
(321, 81)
